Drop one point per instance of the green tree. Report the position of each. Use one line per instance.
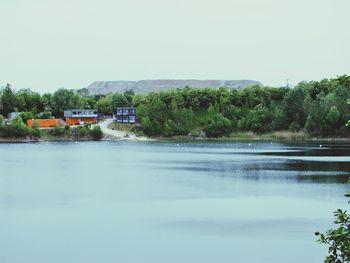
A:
(64, 99)
(83, 92)
(8, 100)
(218, 126)
(151, 127)
(343, 80)
(27, 100)
(293, 105)
(129, 95)
(103, 105)
(46, 102)
(118, 100)
(333, 115)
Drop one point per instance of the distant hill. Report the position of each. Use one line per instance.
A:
(145, 86)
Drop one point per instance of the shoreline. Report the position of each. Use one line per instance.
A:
(278, 136)
(263, 137)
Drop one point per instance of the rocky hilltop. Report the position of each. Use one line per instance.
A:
(144, 86)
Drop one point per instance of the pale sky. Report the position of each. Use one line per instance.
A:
(46, 44)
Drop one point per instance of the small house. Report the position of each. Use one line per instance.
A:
(44, 123)
(126, 115)
(80, 116)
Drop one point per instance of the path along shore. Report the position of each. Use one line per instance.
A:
(118, 135)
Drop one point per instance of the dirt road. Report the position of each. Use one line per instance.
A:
(115, 134)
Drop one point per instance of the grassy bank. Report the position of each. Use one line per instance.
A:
(283, 135)
(286, 136)
(84, 133)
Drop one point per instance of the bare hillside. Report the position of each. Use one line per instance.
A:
(144, 86)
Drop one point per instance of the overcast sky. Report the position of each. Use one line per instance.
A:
(46, 44)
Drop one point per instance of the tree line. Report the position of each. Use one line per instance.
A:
(25, 100)
(319, 108)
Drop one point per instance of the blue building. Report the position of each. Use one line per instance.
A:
(126, 115)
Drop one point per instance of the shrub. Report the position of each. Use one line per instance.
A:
(83, 131)
(45, 115)
(80, 132)
(35, 132)
(218, 127)
(96, 133)
(294, 127)
(67, 131)
(151, 127)
(16, 129)
(195, 133)
(137, 129)
(57, 131)
(26, 115)
(338, 239)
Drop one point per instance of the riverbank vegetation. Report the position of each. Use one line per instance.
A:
(318, 108)
(315, 108)
(338, 239)
(16, 129)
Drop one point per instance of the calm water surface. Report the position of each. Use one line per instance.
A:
(168, 202)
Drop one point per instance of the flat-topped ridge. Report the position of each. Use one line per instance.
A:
(144, 86)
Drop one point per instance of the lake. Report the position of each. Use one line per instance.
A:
(168, 202)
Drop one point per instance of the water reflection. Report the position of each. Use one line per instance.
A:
(326, 164)
(161, 202)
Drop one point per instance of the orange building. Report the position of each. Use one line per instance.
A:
(80, 116)
(43, 123)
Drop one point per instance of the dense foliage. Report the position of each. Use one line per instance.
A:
(77, 133)
(338, 239)
(318, 107)
(96, 133)
(17, 129)
(44, 105)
